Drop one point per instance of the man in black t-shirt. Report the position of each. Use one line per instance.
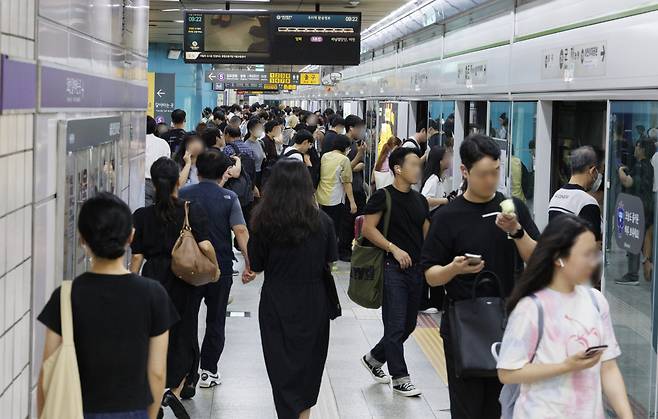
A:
(175, 135)
(466, 225)
(403, 277)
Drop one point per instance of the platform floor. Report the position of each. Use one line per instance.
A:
(347, 390)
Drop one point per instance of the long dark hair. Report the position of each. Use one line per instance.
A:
(287, 213)
(554, 243)
(164, 174)
(433, 166)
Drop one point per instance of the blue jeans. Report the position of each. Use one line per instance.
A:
(135, 414)
(401, 299)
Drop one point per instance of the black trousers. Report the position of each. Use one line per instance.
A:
(336, 213)
(216, 297)
(346, 233)
(470, 398)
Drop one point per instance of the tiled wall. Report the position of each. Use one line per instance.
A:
(103, 38)
(17, 19)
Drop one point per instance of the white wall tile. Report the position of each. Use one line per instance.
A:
(3, 322)
(4, 17)
(8, 360)
(4, 189)
(27, 177)
(10, 286)
(29, 126)
(19, 134)
(14, 238)
(10, 138)
(27, 231)
(4, 145)
(3, 253)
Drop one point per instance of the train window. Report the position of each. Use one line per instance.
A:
(629, 244)
(475, 117)
(522, 163)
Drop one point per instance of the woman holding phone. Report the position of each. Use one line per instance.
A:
(565, 368)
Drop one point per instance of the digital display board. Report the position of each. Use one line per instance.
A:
(237, 37)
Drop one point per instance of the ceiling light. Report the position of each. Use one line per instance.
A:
(178, 21)
(170, 10)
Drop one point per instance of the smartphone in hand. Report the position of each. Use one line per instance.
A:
(473, 259)
(593, 350)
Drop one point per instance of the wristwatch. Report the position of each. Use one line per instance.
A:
(518, 234)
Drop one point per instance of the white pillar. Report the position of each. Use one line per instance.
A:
(543, 149)
(458, 135)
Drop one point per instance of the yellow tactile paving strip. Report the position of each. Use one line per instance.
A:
(428, 338)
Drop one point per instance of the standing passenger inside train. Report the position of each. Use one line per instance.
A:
(121, 321)
(336, 127)
(639, 182)
(157, 227)
(403, 276)
(561, 376)
(472, 223)
(356, 132)
(336, 183)
(293, 242)
(225, 217)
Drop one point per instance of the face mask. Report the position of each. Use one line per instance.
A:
(258, 133)
(597, 183)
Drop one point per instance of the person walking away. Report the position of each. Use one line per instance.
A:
(174, 137)
(383, 174)
(639, 182)
(467, 225)
(225, 216)
(435, 190)
(299, 151)
(418, 142)
(403, 276)
(336, 182)
(293, 242)
(157, 228)
(559, 376)
(336, 127)
(356, 130)
(155, 148)
(244, 184)
(271, 143)
(121, 321)
(191, 147)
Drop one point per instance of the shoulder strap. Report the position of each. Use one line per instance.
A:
(592, 296)
(186, 222)
(387, 216)
(540, 323)
(66, 312)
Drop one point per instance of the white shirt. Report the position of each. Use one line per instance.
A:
(654, 163)
(434, 188)
(155, 148)
(296, 156)
(572, 323)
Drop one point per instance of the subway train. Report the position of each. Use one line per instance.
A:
(542, 78)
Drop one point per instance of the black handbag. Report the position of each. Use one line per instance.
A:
(476, 324)
(335, 309)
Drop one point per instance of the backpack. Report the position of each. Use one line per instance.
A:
(510, 392)
(291, 152)
(244, 185)
(412, 141)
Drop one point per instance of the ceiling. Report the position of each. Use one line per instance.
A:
(167, 26)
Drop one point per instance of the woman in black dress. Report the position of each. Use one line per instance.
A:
(157, 228)
(292, 241)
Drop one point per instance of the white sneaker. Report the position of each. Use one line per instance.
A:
(430, 310)
(406, 389)
(208, 379)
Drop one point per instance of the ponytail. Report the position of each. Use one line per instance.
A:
(164, 174)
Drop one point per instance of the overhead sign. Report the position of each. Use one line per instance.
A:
(472, 73)
(218, 87)
(214, 76)
(164, 96)
(582, 60)
(309, 78)
(629, 223)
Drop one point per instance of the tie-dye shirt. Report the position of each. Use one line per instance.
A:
(571, 324)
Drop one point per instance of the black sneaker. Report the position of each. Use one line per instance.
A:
(376, 372)
(170, 400)
(628, 280)
(406, 389)
(189, 390)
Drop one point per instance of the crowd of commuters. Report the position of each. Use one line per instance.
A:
(285, 187)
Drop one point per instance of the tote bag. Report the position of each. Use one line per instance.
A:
(367, 268)
(61, 380)
(188, 262)
(475, 324)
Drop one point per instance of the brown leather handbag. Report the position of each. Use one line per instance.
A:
(189, 262)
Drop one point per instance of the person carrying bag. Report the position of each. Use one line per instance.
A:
(367, 270)
(61, 379)
(189, 262)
